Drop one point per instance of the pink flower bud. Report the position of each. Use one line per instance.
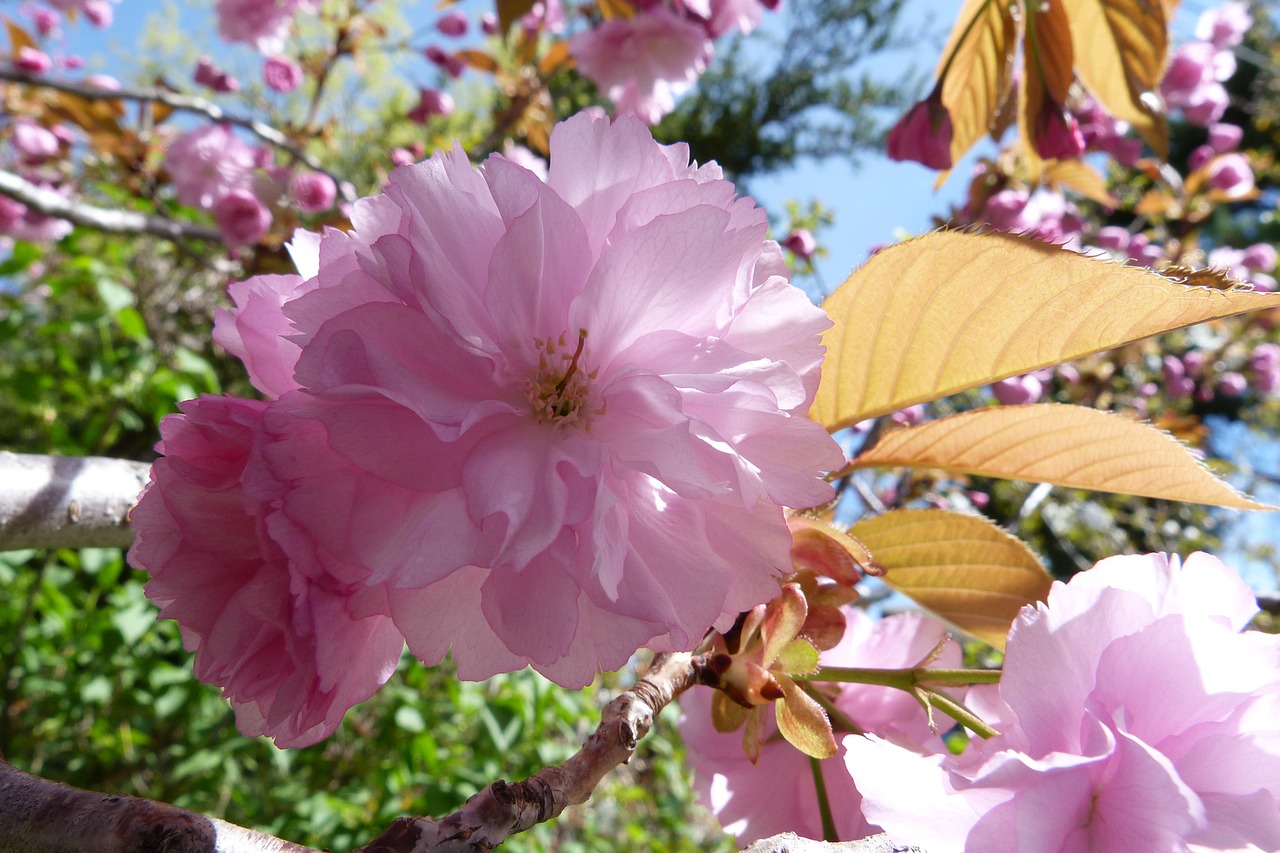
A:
(1199, 156)
(1225, 137)
(1232, 384)
(453, 24)
(46, 21)
(489, 24)
(402, 156)
(1176, 381)
(34, 142)
(801, 243)
(923, 134)
(1231, 174)
(241, 218)
(103, 81)
(71, 62)
(99, 13)
(431, 102)
(210, 75)
(313, 192)
(1057, 134)
(33, 61)
(1018, 390)
(1206, 105)
(910, 416)
(1260, 257)
(281, 73)
(1225, 26)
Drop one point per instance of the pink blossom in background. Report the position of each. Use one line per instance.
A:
(99, 13)
(32, 60)
(208, 74)
(1232, 175)
(207, 163)
(1134, 717)
(241, 218)
(450, 63)
(453, 23)
(923, 135)
(1260, 257)
(431, 103)
(800, 242)
(33, 142)
(1193, 81)
(1019, 390)
(644, 63)
(281, 73)
(21, 223)
(1199, 157)
(261, 23)
(1113, 238)
(46, 21)
(777, 793)
(313, 192)
(1057, 134)
(561, 402)
(489, 24)
(740, 15)
(1225, 137)
(1226, 25)
(293, 642)
(522, 156)
(103, 81)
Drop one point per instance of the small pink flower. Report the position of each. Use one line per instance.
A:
(450, 63)
(241, 218)
(281, 73)
(46, 21)
(923, 135)
(1199, 156)
(1225, 26)
(103, 81)
(313, 192)
(1232, 384)
(34, 142)
(578, 388)
(1260, 257)
(489, 24)
(32, 60)
(800, 242)
(207, 163)
(99, 13)
(208, 74)
(1113, 238)
(740, 15)
(292, 641)
(644, 63)
(431, 103)
(522, 156)
(1018, 390)
(1225, 137)
(1232, 175)
(453, 23)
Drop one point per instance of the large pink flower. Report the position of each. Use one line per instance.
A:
(777, 793)
(1134, 717)
(293, 637)
(589, 395)
(207, 163)
(262, 23)
(643, 63)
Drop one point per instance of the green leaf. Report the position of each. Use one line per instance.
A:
(802, 721)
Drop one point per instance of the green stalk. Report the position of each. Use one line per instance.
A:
(824, 804)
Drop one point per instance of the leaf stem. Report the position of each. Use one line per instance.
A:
(912, 681)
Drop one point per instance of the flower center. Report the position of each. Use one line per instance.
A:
(559, 391)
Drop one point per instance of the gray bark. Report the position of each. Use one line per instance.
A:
(67, 502)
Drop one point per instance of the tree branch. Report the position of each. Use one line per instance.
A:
(67, 502)
(501, 810)
(39, 816)
(50, 203)
(183, 103)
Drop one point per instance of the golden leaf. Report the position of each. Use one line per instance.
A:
(1071, 446)
(950, 311)
(975, 70)
(961, 567)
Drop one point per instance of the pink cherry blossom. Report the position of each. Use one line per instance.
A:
(293, 641)
(1232, 175)
(99, 13)
(777, 794)
(281, 73)
(923, 135)
(208, 74)
(1057, 134)
(453, 23)
(33, 142)
(1133, 717)
(1260, 257)
(801, 243)
(313, 192)
(431, 103)
(207, 163)
(241, 218)
(46, 21)
(261, 23)
(32, 60)
(1225, 137)
(1225, 26)
(578, 389)
(643, 63)
(740, 15)
(1019, 390)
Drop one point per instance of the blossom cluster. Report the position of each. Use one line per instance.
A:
(534, 422)
(644, 62)
(1133, 715)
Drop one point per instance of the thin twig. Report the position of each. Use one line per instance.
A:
(182, 103)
